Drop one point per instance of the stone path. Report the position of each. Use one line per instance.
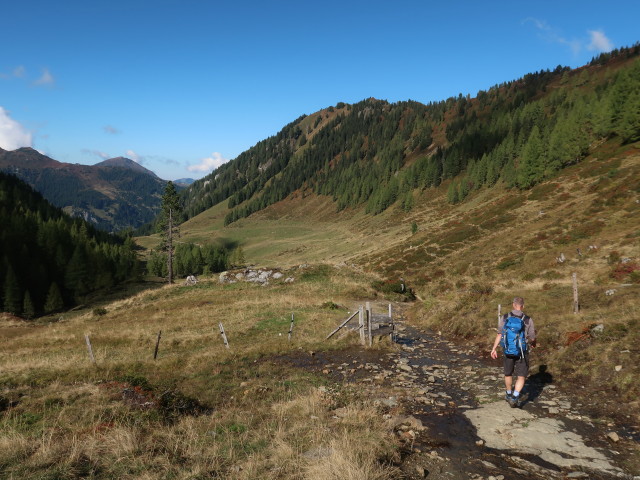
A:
(447, 407)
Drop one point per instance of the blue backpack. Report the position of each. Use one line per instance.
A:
(514, 342)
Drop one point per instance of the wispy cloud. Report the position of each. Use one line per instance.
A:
(12, 134)
(111, 130)
(45, 80)
(553, 35)
(208, 164)
(599, 41)
(18, 72)
(96, 153)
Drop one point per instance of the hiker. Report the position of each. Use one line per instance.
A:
(516, 333)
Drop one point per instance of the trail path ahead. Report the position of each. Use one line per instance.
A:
(446, 405)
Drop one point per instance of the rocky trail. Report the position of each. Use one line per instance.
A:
(446, 405)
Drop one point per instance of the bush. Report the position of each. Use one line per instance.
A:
(100, 311)
(398, 288)
(624, 270)
(480, 290)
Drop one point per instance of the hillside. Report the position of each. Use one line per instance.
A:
(470, 240)
(375, 154)
(113, 195)
(142, 386)
(49, 260)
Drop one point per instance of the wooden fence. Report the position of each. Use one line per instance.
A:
(370, 324)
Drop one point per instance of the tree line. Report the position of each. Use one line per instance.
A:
(49, 260)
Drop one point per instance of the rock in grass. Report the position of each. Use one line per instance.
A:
(613, 436)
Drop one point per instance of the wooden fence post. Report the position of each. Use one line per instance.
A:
(224, 335)
(576, 304)
(86, 339)
(155, 352)
(393, 326)
(291, 327)
(361, 324)
(369, 319)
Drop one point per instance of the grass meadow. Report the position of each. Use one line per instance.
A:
(199, 410)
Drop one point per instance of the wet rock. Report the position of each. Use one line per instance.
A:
(518, 430)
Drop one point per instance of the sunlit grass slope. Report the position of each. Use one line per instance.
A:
(199, 410)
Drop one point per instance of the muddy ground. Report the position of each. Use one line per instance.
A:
(445, 404)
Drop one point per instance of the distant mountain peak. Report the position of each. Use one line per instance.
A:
(124, 162)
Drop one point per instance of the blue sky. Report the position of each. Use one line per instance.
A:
(181, 86)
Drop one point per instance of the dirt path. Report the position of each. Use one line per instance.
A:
(447, 408)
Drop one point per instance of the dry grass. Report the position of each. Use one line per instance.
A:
(198, 411)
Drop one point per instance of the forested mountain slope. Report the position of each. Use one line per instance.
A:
(375, 153)
(113, 195)
(49, 260)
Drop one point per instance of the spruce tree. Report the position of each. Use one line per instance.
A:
(54, 300)
(12, 293)
(28, 309)
(170, 217)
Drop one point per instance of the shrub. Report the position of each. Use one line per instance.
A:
(624, 270)
(507, 262)
(330, 305)
(100, 311)
(480, 290)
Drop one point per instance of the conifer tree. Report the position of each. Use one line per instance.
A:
(76, 277)
(12, 294)
(28, 309)
(169, 224)
(54, 300)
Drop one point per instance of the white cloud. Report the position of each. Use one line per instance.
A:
(46, 79)
(208, 164)
(135, 157)
(599, 41)
(12, 134)
(111, 129)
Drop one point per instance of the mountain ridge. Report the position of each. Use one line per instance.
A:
(115, 194)
(374, 152)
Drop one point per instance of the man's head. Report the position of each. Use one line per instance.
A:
(518, 303)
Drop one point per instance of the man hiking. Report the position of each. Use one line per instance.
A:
(516, 334)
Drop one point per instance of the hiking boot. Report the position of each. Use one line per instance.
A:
(508, 397)
(512, 401)
(521, 400)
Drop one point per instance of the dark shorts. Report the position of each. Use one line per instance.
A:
(516, 366)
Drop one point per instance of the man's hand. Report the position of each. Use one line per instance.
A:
(494, 354)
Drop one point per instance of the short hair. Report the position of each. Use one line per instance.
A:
(518, 301)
